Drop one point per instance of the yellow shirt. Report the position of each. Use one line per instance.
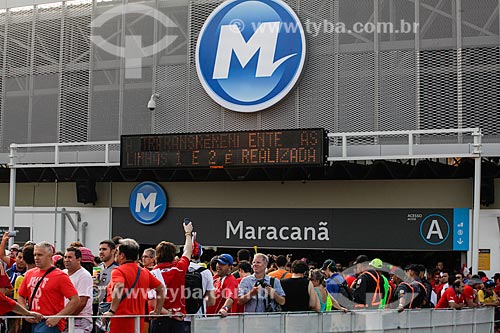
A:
(17, 284)
(486, 300)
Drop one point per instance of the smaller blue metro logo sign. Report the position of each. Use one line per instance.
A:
(148, 203)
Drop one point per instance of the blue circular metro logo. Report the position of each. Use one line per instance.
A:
(250, 53)
(148, 203)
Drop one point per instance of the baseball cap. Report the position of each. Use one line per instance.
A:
(14, 247)
(489, 284)
(87, 255)
(225, 259)
(56, 257)
(474, 281)
(413, 267)
(361, 259)
(197, 250)
(376, 263)
(329, 263)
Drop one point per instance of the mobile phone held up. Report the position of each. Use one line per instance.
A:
(187, 220)
(13, 233)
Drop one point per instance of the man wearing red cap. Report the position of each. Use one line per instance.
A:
(82, 280)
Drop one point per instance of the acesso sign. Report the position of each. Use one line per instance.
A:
(148, 203)
(250, 53)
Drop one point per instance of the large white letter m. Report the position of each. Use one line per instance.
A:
(145, 202)
(263, 39)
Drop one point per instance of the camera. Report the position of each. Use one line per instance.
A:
(261, 283)
(152, 102)
(12, 233)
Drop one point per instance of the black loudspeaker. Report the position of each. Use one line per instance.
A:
(85, 191)
(487, 191)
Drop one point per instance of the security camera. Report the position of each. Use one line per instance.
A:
(152, 102)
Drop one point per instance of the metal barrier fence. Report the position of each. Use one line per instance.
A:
(478, 320)
(416, 321)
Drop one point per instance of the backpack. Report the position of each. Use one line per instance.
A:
(344, 290)
(193, 288)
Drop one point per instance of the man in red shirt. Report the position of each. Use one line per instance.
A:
(174, 274)
(470, 291)
(122, 280)
(226, 288)
(452, 297)
(49, 298)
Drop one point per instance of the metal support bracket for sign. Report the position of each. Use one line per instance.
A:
(57, 155)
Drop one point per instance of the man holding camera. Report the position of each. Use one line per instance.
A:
(257, 292)
(226, 288)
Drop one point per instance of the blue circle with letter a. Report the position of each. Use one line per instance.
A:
(434, 229)
(148, 203)
(250, 53)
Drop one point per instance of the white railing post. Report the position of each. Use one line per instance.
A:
(71, 325)
(12, 190)
(137, 324)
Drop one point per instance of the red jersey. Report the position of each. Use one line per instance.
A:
(49, 298)
(468, 293)
(174, 275)
(350, 279)
(135, 303)
(6, 304)
(449, 295)
(226, 287)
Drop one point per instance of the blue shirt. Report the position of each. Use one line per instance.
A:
(257, 302)
(332, 284)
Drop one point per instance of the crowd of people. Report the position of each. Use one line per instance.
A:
(167, 289)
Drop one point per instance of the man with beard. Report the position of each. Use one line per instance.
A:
(107, 250)
(226, 288)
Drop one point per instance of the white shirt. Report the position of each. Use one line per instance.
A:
(82, 280)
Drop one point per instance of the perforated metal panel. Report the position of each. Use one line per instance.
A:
(203, 114)
(397, 96)
(3, 22)
(75, 77)
(171, 111)
(19, 43)
(481, 85)
(317, 88)
(356, 92)
(438, 89)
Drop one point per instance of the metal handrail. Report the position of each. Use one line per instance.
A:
(14, 163)
(474, 151)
